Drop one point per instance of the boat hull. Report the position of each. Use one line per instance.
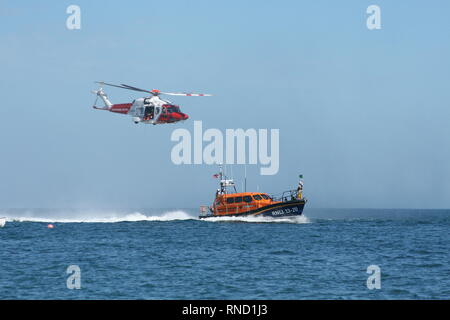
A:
(277, 210)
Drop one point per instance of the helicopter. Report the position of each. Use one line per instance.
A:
(147, 110)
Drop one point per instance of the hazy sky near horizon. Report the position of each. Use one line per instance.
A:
(363, 114)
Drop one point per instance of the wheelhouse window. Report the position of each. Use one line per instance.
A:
(265, 196)
(237, 199)
(230, 200)
(248, 199)
(257, 197)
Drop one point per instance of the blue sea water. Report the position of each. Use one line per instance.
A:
(169, 254)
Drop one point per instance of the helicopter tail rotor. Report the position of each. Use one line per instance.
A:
(100, 93)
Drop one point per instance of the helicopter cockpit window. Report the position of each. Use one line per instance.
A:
(173, 108)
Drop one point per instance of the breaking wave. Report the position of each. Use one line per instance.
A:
(96, 217)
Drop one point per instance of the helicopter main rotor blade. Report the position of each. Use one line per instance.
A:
(187, 94)
(155, 92)
(113, 85)
(136, 89)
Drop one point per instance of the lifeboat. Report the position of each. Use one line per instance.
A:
(238, 204)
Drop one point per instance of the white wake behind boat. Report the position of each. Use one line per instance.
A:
(2, 222)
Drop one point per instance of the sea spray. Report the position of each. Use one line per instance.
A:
(96, 217)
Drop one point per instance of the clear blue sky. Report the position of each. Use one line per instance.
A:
(364, 115)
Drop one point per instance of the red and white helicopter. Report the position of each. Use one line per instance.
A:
(150, 109)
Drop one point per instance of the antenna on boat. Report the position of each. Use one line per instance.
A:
(245, 177)
(224, 170)
(220, 172)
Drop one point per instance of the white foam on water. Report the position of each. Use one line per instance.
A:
(98, 217)
(260, 219)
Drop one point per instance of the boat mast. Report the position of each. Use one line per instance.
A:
(224, 182)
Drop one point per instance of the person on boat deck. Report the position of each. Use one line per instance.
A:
(300, 190)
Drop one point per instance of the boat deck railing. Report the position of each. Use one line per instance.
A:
(284, 196)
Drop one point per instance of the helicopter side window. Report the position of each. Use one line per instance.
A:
(148, 113)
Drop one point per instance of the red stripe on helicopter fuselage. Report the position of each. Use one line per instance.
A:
(120, 108)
